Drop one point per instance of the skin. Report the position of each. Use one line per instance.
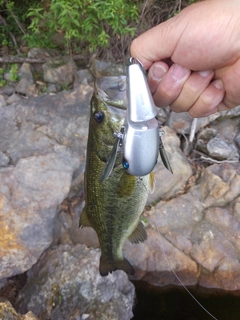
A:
(194, 58)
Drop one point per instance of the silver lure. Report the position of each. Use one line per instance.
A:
(140, 138)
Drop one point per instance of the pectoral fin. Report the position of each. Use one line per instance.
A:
(139, 234)
(126, 185)
(84, 222)
(152, 182)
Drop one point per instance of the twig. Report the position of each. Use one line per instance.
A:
(16, 19)
(193, 130)
(4, 22)
(218, 161)
(211, 160)
(32, 60)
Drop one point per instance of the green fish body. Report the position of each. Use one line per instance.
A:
(112, 207)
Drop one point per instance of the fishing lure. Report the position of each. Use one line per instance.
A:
(140, 138)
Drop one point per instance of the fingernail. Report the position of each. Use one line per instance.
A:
(218, 84)
(178, 72)
(205, 73)
(158, 72)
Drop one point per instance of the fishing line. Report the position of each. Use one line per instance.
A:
(180, 281)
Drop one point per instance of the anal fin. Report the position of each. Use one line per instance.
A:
(139, 234)
(84, 222)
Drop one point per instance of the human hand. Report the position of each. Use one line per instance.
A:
(203, 44)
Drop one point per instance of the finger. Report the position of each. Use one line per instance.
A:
(155, 75)
(170, 85)
(147, 46)
(191, 90)
(209, 100)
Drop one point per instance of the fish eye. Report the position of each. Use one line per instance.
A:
(98, 116)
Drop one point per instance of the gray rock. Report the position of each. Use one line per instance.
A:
(26, 71)
(181, 122)
(83, 76)
(8, 90)
(30, 196)
(167, 184)
(219, 184)
(7, 76)
(4, 159)
(34, 127)
(103, 69)
(221, 149)
(45, 139)
(13, 98)
(40, 53)
(59, 71)
(3, 282)
(195, 235)
(23, 85)
(7, 312)
(3, 102)
(237, 140)
(65, 283)
(51, 88)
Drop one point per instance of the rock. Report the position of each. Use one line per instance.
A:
(23, 85)
(30, 196)
(7, 312)
(237, 140)
(195, 235)
(181, 122)
(66, 284)
(103, 69)
(227, 127)
(52, 88)
(219, 184)
(45, 139)
(7, 76)
(13, 98)
(3, 282)
(40, 53)
(167, 184)
(26, 71)
(59, 71)
(8, 90)
(221, 149)
(34, 127)
(3, 102)
(4, 159)
(83, 76)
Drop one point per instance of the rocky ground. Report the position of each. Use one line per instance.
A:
(192, 219)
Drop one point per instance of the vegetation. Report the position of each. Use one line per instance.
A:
(85, 26)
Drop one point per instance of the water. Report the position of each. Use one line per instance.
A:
(155, 303)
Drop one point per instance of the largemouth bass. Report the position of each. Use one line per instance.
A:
(113, 206)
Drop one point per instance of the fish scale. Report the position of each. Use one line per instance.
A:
(112, 207)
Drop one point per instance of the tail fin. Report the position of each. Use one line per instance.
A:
(107, 266)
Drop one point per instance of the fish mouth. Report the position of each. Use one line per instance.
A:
(112, 90)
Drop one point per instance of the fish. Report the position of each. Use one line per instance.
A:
(113, 206)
